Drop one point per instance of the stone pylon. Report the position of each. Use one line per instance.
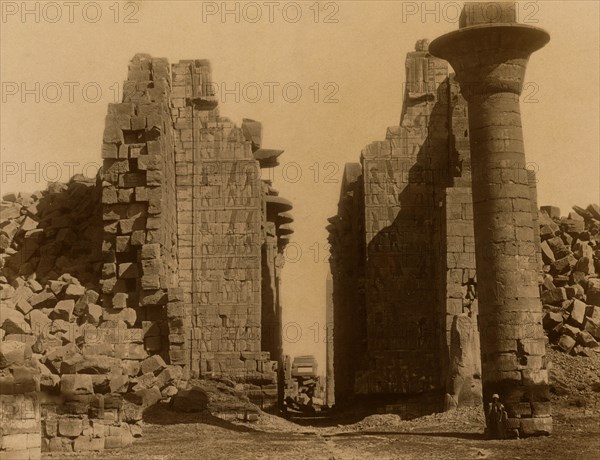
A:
(489, 54)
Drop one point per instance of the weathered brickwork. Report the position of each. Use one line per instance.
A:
(399, 207)
(420, 304)
(226, 241)
(19, 402)
(401, 189)
(138, 197)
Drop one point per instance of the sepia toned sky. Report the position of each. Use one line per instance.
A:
(324, 78)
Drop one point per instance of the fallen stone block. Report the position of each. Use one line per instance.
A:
(7, 293)
(28, 339)
(46, 342)
(554, 296)
(14, 353)
(63, 310)
(92, 364)
(12, 321)
(558, 248)
(40, 323)
(48, 380)
(10, 211)
(577, 310)
(594, 210)
(119, 300)
(585, 339)
(145, 397)
(89, 297)
(56, 286)
(93, 314)
(119, 383)
(144, 381)
(169, 376)
(563, 265)
(130, 367)
(76, 384)
(575, 292)
(43, 299)
(547, 254)
(553, 212)
(34, 285)
(22, 292)
(569, 330)
(153, 364)
(593, 327)
(117, 442)
(56, 357)
(574, 226)
(74, 290)
(23, 306)
(566, 343)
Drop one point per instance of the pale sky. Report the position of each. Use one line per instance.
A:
(351, 55)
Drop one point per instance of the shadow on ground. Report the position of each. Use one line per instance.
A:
(432, 434)
(161, 414)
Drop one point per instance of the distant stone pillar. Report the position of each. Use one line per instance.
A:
(489, 54)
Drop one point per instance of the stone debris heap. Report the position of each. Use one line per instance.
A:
(85, 356)
(570, 290)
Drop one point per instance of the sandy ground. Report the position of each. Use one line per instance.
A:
(575, 383)
(174, 436)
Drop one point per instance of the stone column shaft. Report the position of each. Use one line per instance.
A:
(490, 58)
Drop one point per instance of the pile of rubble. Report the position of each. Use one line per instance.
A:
(45, 234)
(91, 363)
(570, 289)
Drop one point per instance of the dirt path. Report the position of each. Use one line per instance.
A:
(181, 437)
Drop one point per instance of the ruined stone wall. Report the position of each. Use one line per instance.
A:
(19, 402)
(420, 300)
(346, 236)
(460, 362)
(97, 276)
(138, 197)
(221, 204)
(399, 188)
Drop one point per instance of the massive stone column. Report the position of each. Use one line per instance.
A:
(489, 54)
